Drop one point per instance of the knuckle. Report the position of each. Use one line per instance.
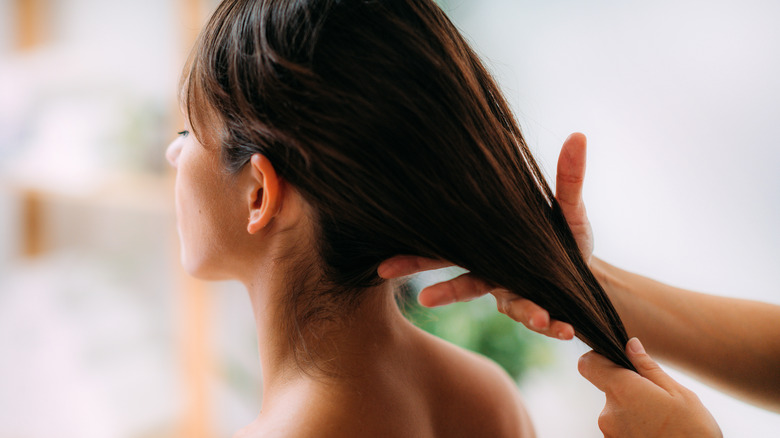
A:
(690, 397)
(527, 307)
(515, 311)
(571, 178)
(499, 293)
(647, 365)
(605, 422)
(475, 284)
(508, 310)
(501, 304)
(462, 288)
(583, 364)
(451, 289)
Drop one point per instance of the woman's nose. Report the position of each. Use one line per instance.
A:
(173, 151)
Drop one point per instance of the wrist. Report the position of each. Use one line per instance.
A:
(610, 279)
(604, 274)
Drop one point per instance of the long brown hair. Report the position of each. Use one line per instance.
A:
(386, 121)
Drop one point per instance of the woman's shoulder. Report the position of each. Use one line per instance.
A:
(323, 410)
(480, 393)
(435, 389)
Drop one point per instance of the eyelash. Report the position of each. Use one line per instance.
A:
(183, 133)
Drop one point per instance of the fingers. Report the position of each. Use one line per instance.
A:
(531, 315)
(596, 369)
(403, 265)
(568, 191)
(611, 378)
(647, 367)
(465, 287)
(571, 171)
(602, 372)
(560, 330)
(639, 405)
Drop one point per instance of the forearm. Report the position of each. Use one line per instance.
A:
(731, 343)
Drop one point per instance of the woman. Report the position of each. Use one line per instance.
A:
(325, 136)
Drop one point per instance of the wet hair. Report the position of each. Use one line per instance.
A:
(384, 119)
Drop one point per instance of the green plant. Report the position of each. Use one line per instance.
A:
(478, 327)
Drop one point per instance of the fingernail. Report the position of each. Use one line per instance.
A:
(564, 335)
(635, 346)
(383, 271)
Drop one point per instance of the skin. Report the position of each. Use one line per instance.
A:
(706, 335)
(731, 344)
(647, 404)
(376, 374)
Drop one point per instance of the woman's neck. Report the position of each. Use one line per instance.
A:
(337, 345)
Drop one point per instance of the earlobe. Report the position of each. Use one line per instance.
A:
(262, 210)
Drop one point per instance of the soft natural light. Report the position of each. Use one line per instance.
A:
(680, 102)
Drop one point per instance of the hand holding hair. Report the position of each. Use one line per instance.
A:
(648, 404)
(569, 180)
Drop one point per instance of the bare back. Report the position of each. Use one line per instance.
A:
(428, 388)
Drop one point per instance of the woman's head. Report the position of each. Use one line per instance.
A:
(220, 215)
(373, 110)
(385, 122)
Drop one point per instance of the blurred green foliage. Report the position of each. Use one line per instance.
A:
(479, 327)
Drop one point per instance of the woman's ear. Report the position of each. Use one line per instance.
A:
(264, 195)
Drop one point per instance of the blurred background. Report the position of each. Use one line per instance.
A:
(101, 335)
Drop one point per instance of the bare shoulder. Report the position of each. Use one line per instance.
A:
(482, 395)
(339, 411)
(434, 390)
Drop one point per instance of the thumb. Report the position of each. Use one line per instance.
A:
(570, 173)
(647, 367)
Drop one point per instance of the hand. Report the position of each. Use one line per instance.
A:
(648, 404)
(571, 174)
